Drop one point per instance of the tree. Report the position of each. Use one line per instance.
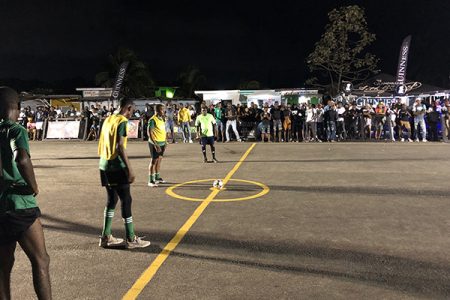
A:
(138, 82)
(190, 80)
(340, 55)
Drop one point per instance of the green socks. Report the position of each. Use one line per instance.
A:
(129, 228)
(107, 221)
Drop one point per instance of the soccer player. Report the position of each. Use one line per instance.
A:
(157, 143)
(116, 175)
(207, 130)
(19, 213)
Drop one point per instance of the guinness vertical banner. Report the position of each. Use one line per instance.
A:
(403, 61)
(119, 81)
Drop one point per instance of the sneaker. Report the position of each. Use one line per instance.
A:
(205, 160)
(153, 184)
(109, 241)
(160, 180)
(215, 160)
(410, 140)
(190, 141)
(239, 140)
(424, 140)
(417, 140)
(402, 139)
(137, 242)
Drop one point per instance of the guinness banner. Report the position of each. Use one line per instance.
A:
(119, 80)
(403, 61)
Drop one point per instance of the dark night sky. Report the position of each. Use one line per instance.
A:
(229, 42)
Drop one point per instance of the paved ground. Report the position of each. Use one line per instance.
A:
(341, 221)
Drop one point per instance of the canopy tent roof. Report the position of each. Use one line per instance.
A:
(383, 85)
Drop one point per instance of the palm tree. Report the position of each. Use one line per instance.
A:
(190, 80)
(138, 82)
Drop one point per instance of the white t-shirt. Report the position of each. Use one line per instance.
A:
(340, 111)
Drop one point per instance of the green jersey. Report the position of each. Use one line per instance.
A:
(13, 137)
(206, 124)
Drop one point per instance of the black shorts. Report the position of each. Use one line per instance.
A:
(207, 140)
(114, 178)
(14, 224)
(155, 154)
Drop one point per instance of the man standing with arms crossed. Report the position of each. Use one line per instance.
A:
(19, 213)
(207, 130)
(157, 142)
(116, 176)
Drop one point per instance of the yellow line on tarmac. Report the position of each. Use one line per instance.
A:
(148, 274)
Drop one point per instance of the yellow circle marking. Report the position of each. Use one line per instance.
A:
(170, 191)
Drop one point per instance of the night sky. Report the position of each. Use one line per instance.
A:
(229, 42)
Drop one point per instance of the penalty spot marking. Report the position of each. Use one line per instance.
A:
(170, 191)
(150, 272)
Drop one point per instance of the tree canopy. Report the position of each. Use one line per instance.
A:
(341, 53)
(138, 82)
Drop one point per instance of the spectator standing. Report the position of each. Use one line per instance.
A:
(276, 121)
(404, 115)
(219, 114)
(231, 116)
(184, 119)
(330, 117)
(419, 111)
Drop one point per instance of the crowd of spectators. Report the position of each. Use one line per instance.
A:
(330, 122)
(334, 122)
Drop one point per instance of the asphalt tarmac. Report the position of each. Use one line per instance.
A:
(338, 221)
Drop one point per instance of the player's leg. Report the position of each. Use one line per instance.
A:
(6, 265)
(158, 177)
(107, 239)
(213, 148)
(33, 244)
(133, 241)
(203, 142)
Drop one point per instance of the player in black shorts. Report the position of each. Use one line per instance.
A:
(157, 143)
(206, 130)
(19, 213)
(116, 176)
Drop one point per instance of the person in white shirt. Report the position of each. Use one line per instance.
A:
(419, 111)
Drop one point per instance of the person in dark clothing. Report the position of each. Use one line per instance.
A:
(433, 118)
(330, 118)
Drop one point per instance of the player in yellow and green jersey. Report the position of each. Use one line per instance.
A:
(206, 130)
(116, 175)
(157, 143)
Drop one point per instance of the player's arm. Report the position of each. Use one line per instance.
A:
(123, 155)
(214, 123)
(25, 168)
(199, 127)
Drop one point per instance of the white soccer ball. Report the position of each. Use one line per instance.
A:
(218, 184)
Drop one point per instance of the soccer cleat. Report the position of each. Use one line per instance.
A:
(152, 184)
(109, 241)
(137, 242)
